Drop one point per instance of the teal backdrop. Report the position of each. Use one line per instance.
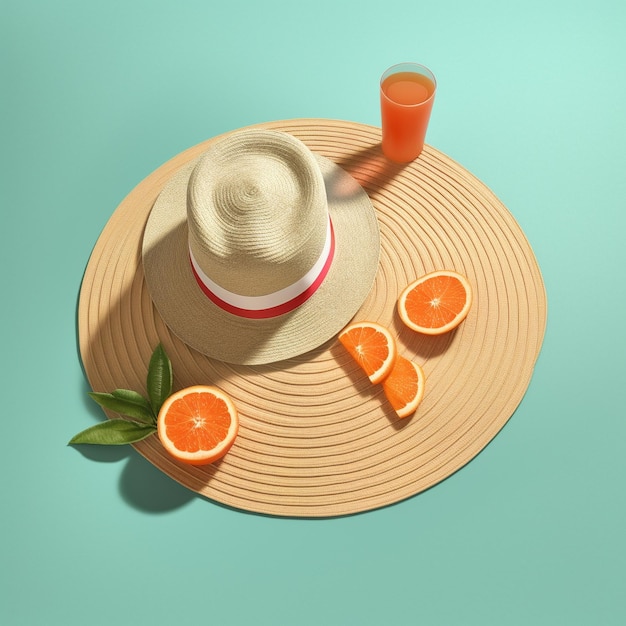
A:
(531, 99)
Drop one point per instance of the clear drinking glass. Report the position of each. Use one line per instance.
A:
(407, 93)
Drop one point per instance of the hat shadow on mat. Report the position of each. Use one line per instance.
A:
(141, 484)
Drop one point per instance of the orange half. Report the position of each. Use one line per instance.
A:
(435, 303)
(198, 425)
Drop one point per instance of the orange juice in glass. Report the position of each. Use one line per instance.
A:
(407, 92)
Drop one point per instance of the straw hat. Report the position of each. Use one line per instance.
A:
(259, 250)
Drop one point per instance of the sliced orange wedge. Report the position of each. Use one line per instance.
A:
(372, 346)
(404, 387)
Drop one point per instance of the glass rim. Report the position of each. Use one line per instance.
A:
(416, 68)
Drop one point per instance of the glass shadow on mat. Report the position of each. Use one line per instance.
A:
(371, 168)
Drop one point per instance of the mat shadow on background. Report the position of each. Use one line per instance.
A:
(141, 484)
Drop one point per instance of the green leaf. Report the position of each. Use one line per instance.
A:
(113, 432)
(135, 399)
(126, 403)
(160, 378)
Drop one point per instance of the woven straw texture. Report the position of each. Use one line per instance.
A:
(241, 199)
(316, 438)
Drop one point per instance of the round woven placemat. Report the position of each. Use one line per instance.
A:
(316, 438)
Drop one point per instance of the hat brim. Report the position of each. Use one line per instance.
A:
(221, 335)
(317, 439)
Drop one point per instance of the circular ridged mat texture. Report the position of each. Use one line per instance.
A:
(316, 438)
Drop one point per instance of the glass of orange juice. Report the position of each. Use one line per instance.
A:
(407, 92)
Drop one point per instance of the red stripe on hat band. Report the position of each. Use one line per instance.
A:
(280, 309)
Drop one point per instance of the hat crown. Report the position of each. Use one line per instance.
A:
(257, 212)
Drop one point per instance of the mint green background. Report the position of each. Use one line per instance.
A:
(531, 99)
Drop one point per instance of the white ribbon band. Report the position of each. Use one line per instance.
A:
(277, 298)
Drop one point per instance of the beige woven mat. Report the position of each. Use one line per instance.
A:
(316, 438)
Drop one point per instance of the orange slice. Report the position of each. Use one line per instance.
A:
(198, 425)
(372, 346)
(404, 387)
(435, 303)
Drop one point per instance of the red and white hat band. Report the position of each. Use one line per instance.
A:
(271, 304)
